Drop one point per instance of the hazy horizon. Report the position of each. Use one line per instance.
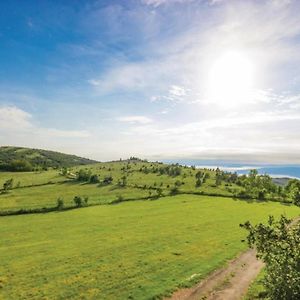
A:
(157, 79)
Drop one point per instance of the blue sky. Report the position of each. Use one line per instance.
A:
(154, 78)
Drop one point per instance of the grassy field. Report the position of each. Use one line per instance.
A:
(42, 189)
(133, 250)
(257, 290)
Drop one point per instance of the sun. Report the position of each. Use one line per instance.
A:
(230, 80)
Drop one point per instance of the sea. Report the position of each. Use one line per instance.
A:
(275, 171)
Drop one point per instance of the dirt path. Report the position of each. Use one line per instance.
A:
(228, 283)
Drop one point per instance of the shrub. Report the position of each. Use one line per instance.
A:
(84, 175)
(261, 195)
(94, 179)
(277, 245)
(297, 199)
(17, 165)
(78, 201)
(8, 185)
(119, 199)
(60, 203)
(198, 182)
(178, 183)
(108, 179)
(174, 190)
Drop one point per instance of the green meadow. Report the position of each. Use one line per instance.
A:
(32, 190)
(148, 230)
(132, 250)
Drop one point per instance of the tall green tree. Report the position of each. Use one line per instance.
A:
(278, 245)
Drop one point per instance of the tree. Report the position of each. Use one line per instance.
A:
(174, 190)
(84, 175)
(119, 198)
(159, 192)
(297, 199)
(64, 171)
(8, 185)
(198, 182)
(277, 244)
(261, 195)
(19, 165)
(123, 181)
(94, 179)
(78, 201)
(107, 179)
(60, 203)
(199, 175)
(218, 180)
(178, 183)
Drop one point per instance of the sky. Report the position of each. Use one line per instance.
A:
(157, 79)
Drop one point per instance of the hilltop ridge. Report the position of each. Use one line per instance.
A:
(11, 158)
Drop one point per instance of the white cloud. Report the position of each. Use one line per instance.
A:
(12, 117)
(14, 120)
(177, 91)
(135, 119)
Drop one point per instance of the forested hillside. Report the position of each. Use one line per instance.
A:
(27, 159)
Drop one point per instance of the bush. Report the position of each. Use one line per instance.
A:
(174, 190)
(118, 199)
(178, 183)
(198, 182)
(84, 175)
(8, 185)
(60, 203)
(17, 165)
(78, 201)
(261, 195)
(108, 179)
(94, 179)
(277, 245)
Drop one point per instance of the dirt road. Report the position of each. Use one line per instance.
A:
(228, 283)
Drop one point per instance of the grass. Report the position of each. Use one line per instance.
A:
(134, 250)
(31, 178)
(256, 290)
(46, 196)
(41, 189)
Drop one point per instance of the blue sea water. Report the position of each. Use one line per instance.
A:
(291, 171)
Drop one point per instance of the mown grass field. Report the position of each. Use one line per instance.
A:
(133, 250)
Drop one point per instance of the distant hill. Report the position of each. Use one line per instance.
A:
(25, 159)
(282, 181)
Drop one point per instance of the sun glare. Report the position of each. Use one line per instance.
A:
(230, 80)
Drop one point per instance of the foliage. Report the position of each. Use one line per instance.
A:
(277, 245)
(174, 190)
(8, 185)
(26, 159)
(78, 201)
(94, 178)
(84, 175)
(258, 186)
(17, 166)
(60, 203)
(292, 189)
(108, 179)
